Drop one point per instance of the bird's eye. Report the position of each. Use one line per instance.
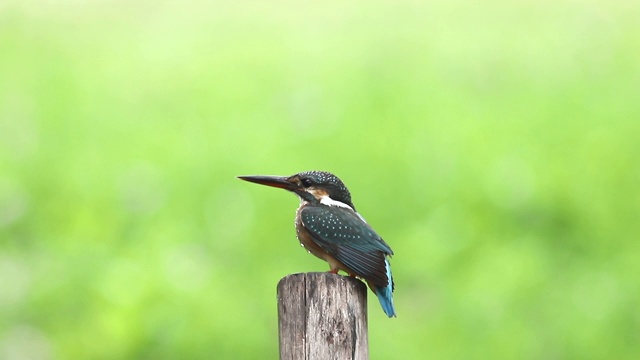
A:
(306, 182)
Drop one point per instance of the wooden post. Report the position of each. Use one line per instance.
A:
(322, 316)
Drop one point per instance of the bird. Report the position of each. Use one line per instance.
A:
(329, 227)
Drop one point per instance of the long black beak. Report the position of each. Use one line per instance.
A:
(274, 181)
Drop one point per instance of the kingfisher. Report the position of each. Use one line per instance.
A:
(329, 227)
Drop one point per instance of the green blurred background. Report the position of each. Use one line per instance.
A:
(494, 145)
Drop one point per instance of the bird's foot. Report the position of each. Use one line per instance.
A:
(333, 271)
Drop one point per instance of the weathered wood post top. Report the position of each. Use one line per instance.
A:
(322, 316)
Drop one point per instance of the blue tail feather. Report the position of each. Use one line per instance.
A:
(385, 294)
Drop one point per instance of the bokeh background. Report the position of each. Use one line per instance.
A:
(495, 145)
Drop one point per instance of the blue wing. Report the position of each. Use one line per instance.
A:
(344, 235)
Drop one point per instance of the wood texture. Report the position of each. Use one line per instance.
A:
(322, 316)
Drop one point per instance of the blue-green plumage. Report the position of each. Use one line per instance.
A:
(328, 225)
(342, 233)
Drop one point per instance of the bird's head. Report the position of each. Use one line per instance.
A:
(311, 186)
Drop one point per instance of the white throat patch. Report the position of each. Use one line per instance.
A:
(326, 200)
